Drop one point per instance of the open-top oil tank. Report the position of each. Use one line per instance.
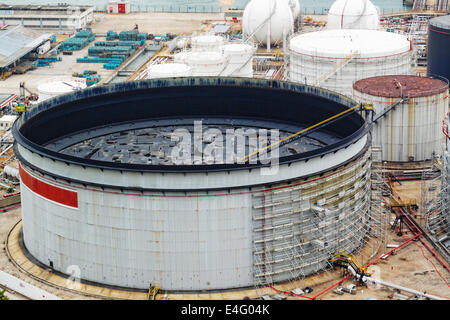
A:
(335, 59)
(408, 115)
(165, 182)
(439, 47)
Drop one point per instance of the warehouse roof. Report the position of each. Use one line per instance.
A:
(40, 9)
(17, 42)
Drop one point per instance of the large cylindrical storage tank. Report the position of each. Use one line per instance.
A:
(439, 47)
(56, 87)
(207, 43)
(205, 63)
(168, 70)
(267, 21)
(412, 130)
(335, 59)
(239, 60)
(353, 14)
(108, 194)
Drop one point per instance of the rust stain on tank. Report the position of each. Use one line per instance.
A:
(396, 86)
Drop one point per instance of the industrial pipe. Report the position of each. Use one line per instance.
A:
(366, 279)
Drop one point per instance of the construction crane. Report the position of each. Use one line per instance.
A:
(22, 102)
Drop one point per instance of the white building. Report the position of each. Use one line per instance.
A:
(47, 17)
(7, 121)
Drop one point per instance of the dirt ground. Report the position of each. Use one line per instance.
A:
(155, 23)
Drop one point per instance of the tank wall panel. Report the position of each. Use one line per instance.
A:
(132, 241)
(199, 241)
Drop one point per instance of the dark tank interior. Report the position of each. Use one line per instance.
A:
(129, 125)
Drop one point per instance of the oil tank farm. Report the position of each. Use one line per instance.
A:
(102, 187)
(353, 14)
(439, 47)
(408, 115)
(335, 59)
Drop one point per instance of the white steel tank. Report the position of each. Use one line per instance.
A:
(168, 70)
(204, 63)
(56, 87)
(335, 59)
(207, 43)
(412, 130)
(267, 21)
(239, 58)
(353, 14)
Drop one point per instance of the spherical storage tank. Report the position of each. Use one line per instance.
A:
(239, 60)
(439, 47)
(205, 63)
(56, 87)
(267, 21)
(412, 130)
(120, 196)
(168, 70)
(335, 59)
(353, 14)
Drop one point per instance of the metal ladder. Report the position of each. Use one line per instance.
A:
(336, 68)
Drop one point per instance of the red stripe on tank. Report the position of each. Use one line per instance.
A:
(59, 195)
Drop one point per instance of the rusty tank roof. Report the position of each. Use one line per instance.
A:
(394, 86)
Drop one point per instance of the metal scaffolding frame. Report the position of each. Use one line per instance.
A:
(298, 229)
(436, 202)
